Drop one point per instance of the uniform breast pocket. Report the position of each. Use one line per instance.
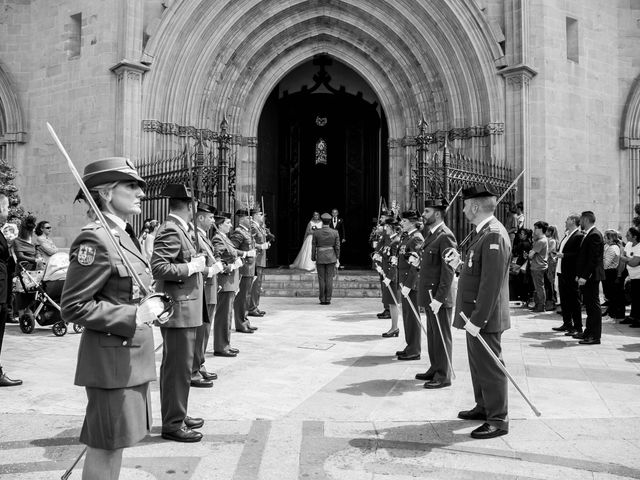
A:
(125, 283)
(468, 302)
(112, 341)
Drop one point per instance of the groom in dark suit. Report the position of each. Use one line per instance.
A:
(325, 251)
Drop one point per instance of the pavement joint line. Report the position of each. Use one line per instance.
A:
(251, 457)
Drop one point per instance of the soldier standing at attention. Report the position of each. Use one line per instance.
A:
(115, 356)
(379, 241)
(243, 241)
(177, 269)
(200, 377)
(410, 243)
(325, 251)
(483, 296)
(435, 279)
(262, 245)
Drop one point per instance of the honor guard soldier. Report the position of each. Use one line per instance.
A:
(115, 356)
(388, 270)
(228, 283)
(483, 296)
(262, 245)
(325, 251)
(242, 239)
(380, 239)
(205, 221)
(435, 279)
(177, 269)
(410, 243)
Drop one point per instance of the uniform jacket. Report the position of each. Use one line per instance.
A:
(570, 255)
(325, 245)
(4, 269)
(409, 242)
(259, 237)
(339, 227)
(434, 275)
(483, 287)
(99, 294)
(590, 265)
(228, 280)
(172, 250)
(389, 252)
(243, 240)
(210, 283)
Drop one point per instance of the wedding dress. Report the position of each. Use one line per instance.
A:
(303, 260)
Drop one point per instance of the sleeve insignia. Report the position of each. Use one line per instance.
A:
(494, 246)
(86, 254)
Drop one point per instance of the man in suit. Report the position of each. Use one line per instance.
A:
(589, 274)
(435, 280)
(5, 286)
(177, 269)
(338, 224)
(483, 296)
(566, 270)
(205, 220)
(325, 251)
(262, 245)
(242, 239)
(410, 244)
(229, 282)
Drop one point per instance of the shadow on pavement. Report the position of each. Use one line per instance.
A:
(355, 338)
(366, 361)
(353, 317)
(381, 387)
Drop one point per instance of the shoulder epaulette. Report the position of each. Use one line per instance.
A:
(92, 226)
(419, 235)
(494, 227)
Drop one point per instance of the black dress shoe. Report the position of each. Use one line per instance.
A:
(589, 341)
(208, 376)
(472, 415)
(253, 313)
(400, 352)
(201, 383)
(626, 321)
(424, 376)
(384, 315)
(228, 353)
(393, 333)
(634, 324)
(561, 328)
(8, 382)
(485, 431)
(248, 330)
(431, 384)
(323, 303)
(261, 312)
(185, 434)
(409, 357)
(570, 333)
(234, 350)
(193, 422)
(251, 327)
(579, 335)
(328, 302)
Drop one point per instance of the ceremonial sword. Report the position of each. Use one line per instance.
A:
(444, 345)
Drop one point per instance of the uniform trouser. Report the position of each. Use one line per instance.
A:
(412, 329)
(326, 271)
(254, 298)
(570, 302)
(3, 322)
(202, 338)
(222, 322)
(439, 367)
(591, 299)
(175, 375)
(240, 303)
(490, 384)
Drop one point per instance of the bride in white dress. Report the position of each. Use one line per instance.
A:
(303, 260)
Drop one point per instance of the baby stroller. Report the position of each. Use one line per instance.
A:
(46, 288)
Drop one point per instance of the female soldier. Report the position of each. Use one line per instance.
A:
(389, 270)
(115, 357)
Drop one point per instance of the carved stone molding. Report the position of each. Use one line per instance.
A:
(518, 76)
(463, 133)
(166, 128)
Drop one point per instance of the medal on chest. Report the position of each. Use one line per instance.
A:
(470, 258)
(403, 249)
(135, 292)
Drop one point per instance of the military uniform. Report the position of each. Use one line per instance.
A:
(243, 240)
(325, 251)
(260, 241)
(380, 240)
(410, 242)
(389, 264)
(5, 295)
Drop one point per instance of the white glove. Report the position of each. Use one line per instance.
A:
(452, 258)
(375, 244)
(215, 268)
(250, 253)
(379, 270)
(472, 329)
(377, 257)
(414, 259)
(238, 263)
(405, 291)
(435, 306)
(197, 264)
(386, 281)
(149, 311)
(337, 263)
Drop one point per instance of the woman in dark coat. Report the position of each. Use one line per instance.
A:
(116, 356)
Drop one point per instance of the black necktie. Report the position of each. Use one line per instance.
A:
(129, 230)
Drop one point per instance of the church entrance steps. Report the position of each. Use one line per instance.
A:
(295, 283)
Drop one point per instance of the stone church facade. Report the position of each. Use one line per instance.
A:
(552, 87)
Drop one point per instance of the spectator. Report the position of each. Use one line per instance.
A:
(43, 242)
(613, 284)
(147, 236)
(522, 283)
(552, 260)
(25, 252)
(538, 264)
(512, 223)
(520, 215)
(631, 258)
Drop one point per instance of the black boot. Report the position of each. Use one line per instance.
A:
(6, 381)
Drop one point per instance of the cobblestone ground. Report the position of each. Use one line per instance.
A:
(317, 393)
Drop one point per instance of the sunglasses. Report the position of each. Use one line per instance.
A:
(47, 228)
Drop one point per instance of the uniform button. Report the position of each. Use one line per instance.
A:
(124, 343)
(147, 270)
(108, 334)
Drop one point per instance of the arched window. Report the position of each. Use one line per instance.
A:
(321, 152)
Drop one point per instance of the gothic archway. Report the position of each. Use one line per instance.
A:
(12, 129)
(630, 140)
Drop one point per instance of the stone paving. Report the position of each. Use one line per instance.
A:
(316, 394)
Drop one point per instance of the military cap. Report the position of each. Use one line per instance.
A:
(440, 203)
(109, 170)
(221, 215)
(391, 221)
(242, 212)
(482, 190)
(386, 213)
(410, 215)
(206, 208)
(325, 216)
(177, 190)
(254, 211)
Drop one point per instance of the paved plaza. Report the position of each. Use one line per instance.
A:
(317, 394)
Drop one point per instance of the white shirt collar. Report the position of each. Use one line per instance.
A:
(181, 221)
(483, 223)
(115, 219)
(435, 227)
(411, 231)
(202, 231)
(586, 232)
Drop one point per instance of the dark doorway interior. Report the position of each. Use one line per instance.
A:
(295, 180)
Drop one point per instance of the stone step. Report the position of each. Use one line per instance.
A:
(296, 283)
(314, 283)
(309, 292)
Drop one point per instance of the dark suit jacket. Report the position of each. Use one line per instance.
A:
(243, 240)
(339, 227)
(325, 245)
(4, 270)
(590, 265)
(172, 250)
(228, 280)
(570, 255)
(99, 294)
(483, 287)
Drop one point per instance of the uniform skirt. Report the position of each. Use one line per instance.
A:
(387, 299)
(116, 418)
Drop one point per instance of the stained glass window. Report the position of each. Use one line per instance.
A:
(321, 152)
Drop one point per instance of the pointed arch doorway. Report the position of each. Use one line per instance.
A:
(322, 144)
